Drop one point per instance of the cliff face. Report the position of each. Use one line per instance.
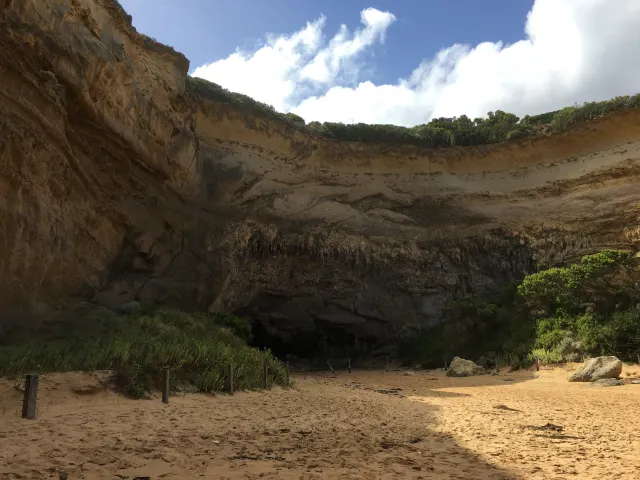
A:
(119, 183)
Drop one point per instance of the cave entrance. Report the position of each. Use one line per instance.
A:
(298, 344)
(262, 339)
(322, 343)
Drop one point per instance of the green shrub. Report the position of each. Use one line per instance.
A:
(562, 314)
(591, 280)
(591, 306)
(549, 340)
(547, 357)
(197, 349)
(472, 329)
(213, 91)
(619, 334)
(538, 120)
(295, 118)
(241, 327)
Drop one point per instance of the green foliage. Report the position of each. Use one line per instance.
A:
(295, 118)
(213, 91)
(498, 126)
(592, 110)
(616, 333)
(562, 314)
(118, 9)
(620, 334)
(539, 120)
(474, 328)
(548, 357)
(557, 339)
(595, 279)
(590, 307)
(138, 346)
(241, 327)
(422, 136)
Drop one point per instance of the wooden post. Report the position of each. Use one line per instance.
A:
(266, 374)
(165, 389)
(537, 364)
(386, 362)
(288, 373)
(639, 359)
(332, 370)
(349, 364)
(30, 397)
(231, 378)
(445, 363)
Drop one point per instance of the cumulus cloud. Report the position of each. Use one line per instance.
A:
(572, 51)
(285, 65)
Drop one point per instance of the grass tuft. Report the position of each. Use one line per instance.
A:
(138, 346)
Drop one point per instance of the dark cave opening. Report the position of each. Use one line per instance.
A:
(325, 342)
(263, 339)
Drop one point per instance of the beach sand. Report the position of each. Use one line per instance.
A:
(330, 426)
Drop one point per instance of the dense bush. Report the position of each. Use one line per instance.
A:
(603, 279)
(213, 91)
(588, 308)
(473, 329)
(239, 326)
(592, 110)
(558, 315)
(295, 118)
(138, 346)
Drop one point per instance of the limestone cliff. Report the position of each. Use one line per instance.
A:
(118, 182)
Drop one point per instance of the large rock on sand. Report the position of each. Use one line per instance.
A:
(464, 368)
(608, 382)
(596, 369)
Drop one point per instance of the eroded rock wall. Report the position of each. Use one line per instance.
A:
(119, 183)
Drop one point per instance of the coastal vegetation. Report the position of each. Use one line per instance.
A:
(559, 314)
(498, 126)
(139, 345)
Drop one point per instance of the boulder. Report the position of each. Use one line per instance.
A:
(464, 368)
(608, 382)
(597, 368)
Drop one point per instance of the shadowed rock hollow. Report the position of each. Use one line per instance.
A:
(119, 182)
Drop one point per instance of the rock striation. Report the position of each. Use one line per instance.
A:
(119, 183)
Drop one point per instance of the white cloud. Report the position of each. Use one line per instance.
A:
(285, 64)
(327, 64)
(573, 51)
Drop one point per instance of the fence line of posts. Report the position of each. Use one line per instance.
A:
(31, 382)
(29, 401)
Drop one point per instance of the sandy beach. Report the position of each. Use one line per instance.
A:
(369, 424)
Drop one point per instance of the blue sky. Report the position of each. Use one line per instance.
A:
(207, 30)
(405, 61)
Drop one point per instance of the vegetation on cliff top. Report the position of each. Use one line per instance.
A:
(558, 315)
(139, 345)
(497, 127)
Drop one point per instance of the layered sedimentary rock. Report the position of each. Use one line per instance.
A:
(120, 183)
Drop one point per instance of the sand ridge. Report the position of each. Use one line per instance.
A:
(343, 427)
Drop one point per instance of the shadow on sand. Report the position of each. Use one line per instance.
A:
(322, 428)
